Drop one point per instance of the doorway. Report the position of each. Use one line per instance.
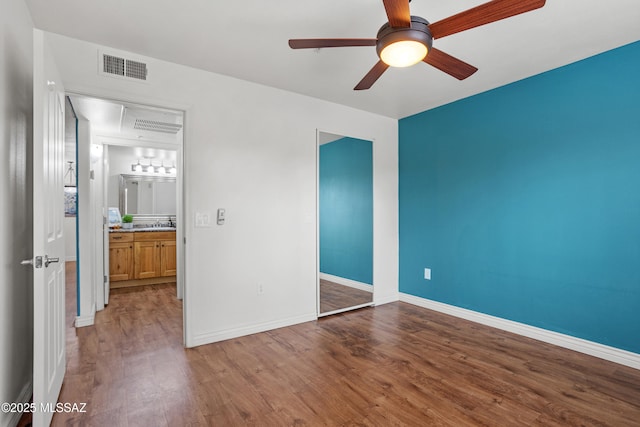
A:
(117, 138)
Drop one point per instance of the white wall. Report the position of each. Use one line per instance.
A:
(251, 149)
(97, 212)
(69, 155)
(120, 159)
(16, 281)
(86, 240)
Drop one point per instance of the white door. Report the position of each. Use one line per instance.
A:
(48, 238)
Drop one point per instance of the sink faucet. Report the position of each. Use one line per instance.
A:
(171, 223)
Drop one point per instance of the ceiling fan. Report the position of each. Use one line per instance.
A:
(406, 40)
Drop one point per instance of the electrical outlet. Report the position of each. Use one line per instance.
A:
(260, 289)
(427, 274)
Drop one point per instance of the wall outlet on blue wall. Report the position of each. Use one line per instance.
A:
(427, 274)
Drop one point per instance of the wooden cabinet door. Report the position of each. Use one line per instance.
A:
(147, 259)
(168, 258)
(120, 261)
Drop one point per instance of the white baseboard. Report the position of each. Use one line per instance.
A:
(346, 282)
(87, 320)
(70, 258)
(385, 299)
(591, 348)
(24, 397)
(211, 337)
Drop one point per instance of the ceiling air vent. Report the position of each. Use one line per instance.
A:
(117, 66)
(113, 65)
(157, 126)
(136, 70)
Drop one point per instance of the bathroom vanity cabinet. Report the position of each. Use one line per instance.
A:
(120, 256)
(141, 258)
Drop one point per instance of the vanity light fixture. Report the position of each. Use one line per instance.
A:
(136, 167)
(150, 168)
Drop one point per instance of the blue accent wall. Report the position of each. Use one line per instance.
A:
(346, 209)
(525, 201)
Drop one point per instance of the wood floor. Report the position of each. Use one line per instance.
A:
(334, 296)
(394, 364)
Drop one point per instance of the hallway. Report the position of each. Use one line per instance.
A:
(119, 366)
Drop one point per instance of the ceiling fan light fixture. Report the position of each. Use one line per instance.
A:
(403, 53)
(404, 46)
(414, 35)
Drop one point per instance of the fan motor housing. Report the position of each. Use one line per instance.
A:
(419, 31)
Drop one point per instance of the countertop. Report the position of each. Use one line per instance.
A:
(131, 230)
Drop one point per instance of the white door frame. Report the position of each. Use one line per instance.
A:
(181, 253)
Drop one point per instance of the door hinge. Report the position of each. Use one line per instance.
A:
(106, 279)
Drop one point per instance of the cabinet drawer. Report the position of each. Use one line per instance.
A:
(147, 236)
(120, 237)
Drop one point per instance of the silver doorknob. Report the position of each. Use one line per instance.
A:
(36, 262)
(48, 260)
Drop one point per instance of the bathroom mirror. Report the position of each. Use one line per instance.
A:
(147, 195)
(345, 211)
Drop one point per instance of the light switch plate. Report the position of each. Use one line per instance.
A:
(202, 219)
(427, 274)
(221, 216)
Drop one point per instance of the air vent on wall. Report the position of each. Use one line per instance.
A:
(113, 65)
(136, 70)
(156, 126)
(121, 67)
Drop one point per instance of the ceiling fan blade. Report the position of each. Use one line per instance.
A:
(320, 43)
(371, 77)
(450, 65)
(398, 12)
(484, 14)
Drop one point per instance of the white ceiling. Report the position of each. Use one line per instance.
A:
(116, 120)
(248, 40)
